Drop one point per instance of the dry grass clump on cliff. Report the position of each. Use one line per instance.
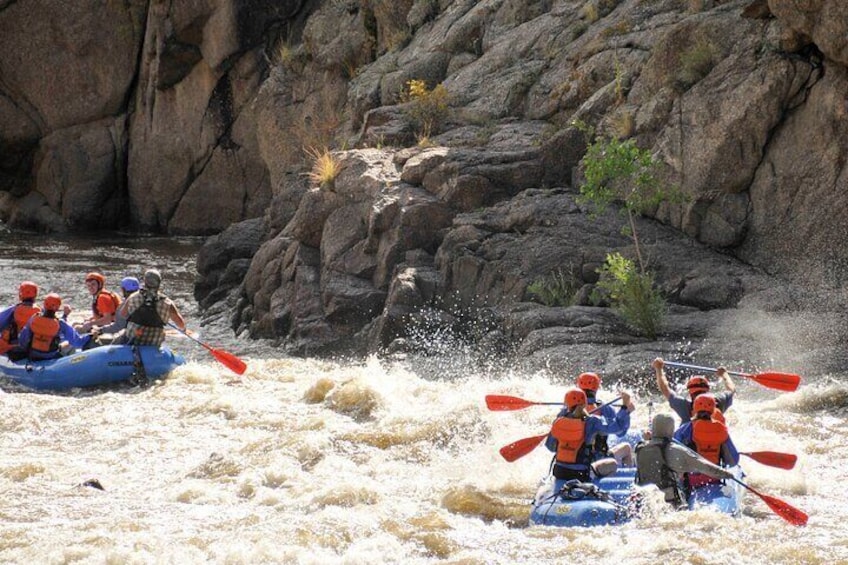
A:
(325, 167)
(695, 63)
(288, 56)
(427, 108)
(594, 10)
(389, 17)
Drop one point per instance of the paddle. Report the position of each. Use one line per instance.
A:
(522, 447)
(787, 382)
(786, 511)
(500, 403)
(773, 458)
(232, 362)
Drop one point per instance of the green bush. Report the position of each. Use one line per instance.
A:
(632, 294)
(556, 289)
(618, 171)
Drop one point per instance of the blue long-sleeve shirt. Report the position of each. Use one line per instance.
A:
(729, 453)
(594, 425)
(607, 412)
(66, 333)
(7, 316)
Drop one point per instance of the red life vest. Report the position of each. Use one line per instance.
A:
(116, 300)
(23, 312)
(45, 334)
(709, 436)
(570, 435)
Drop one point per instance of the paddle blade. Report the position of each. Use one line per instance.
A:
(500, 403)
(232, 362)
(520, 448)
(786, 511)
(778, 381)
(774, 459)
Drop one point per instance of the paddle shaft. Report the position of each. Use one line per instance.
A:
(188, 335)
(786, 382)
(705, 369)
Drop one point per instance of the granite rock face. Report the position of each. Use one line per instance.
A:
(200, 117)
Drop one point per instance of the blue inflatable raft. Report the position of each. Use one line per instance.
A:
(602, 502)
(725, 496)
(94, 367)
(613, 500)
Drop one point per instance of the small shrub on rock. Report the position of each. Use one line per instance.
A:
(632, 294)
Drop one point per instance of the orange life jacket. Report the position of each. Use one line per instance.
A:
(709, 436)
(45, 334)
(23, 312)
(570, 435)
(115, 299)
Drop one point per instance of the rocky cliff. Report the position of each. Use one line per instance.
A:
(196, 116)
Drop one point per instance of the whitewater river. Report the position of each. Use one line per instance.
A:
(313, 461)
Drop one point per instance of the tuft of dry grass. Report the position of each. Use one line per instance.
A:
(590, 13)
(325, 167)
(623, 124)
(696, 63)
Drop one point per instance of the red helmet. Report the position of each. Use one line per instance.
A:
(589, 381)
(101, 280)
(28, 290)
(52, 302)
(704, 403)
(697, 385)
(574, 397)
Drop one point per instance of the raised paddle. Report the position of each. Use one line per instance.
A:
(502, 403)
(773, 458)
(232, 362)
(787, 382)
(522, 447)
(786, 511)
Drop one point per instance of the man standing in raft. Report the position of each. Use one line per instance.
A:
(148, 312)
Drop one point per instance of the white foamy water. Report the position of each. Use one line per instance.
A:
(309, 461)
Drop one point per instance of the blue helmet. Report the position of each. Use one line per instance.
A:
(130, 284)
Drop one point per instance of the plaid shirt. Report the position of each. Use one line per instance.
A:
(147, 335)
